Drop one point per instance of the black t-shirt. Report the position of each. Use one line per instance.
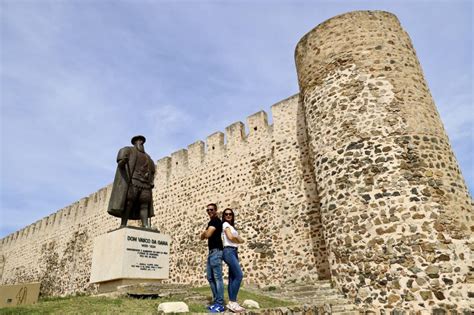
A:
(215, 241)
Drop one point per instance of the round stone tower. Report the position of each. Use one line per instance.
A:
(396, 211)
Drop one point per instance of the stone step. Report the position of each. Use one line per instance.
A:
(310, 297)
(321, 295)
(345, 313)
(286, 291)
(315, 293)
(343, 307)
(307, 287)
(317, 301)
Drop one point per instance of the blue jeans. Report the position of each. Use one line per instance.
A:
(214, 276)
(231, 258)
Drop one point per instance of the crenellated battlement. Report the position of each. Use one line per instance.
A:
(220, 145)
(180, 163)
(61, 219)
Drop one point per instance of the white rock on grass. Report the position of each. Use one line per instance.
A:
(250, 304)
(173, 307)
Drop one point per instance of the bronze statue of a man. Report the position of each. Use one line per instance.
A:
(131, 196)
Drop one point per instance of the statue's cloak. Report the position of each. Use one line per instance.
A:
(122, 180)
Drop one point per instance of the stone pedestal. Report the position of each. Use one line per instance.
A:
(128, 256)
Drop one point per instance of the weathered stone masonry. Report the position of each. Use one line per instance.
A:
(265, 176)
(354, 181)
(395, 209)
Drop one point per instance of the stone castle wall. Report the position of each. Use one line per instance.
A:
(355, 180)
(264, 176)
(57, 250)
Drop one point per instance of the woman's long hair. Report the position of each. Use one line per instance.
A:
(231, 222)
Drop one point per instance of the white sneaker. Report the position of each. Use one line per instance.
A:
(235, 307)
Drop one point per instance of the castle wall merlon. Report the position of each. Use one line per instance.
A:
(26, 231)
(22, 233)
(61, 215)
(235, 135)
(54, 220)
(101, 194)
(49, 222)
(195, 154)
(281, 105)
(75, 211)
(258, 123)
(34, 228)
(83, 204)
(179, 162)
(163, 169)
(96, 198)
(281, 112)
(43, 223)
(215, 145)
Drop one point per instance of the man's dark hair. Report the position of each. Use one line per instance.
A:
(213, 205)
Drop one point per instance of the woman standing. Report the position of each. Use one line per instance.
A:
(231, 239)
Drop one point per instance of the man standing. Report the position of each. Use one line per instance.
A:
(214, 260)
(131, 196)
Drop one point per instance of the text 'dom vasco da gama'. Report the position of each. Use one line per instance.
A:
(148, 251)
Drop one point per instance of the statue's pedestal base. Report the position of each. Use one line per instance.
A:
(129, 256)
(115, 285)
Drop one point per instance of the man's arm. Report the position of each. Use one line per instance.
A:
(208, 232)
(122, 157)
(152, 170)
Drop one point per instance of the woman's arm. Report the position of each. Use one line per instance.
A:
(235, 239)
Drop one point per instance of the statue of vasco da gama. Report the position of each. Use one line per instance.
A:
(131, 196)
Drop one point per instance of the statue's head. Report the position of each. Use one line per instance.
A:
(138, 142)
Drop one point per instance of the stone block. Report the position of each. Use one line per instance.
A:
(19, 294)
(131, 254)
(250, 304)
(173, 307)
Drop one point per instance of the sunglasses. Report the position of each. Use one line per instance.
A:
(228, 213)
(210, 210)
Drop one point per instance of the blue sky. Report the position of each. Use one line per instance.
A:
(80, 78)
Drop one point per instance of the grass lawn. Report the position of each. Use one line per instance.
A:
(196, 298)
